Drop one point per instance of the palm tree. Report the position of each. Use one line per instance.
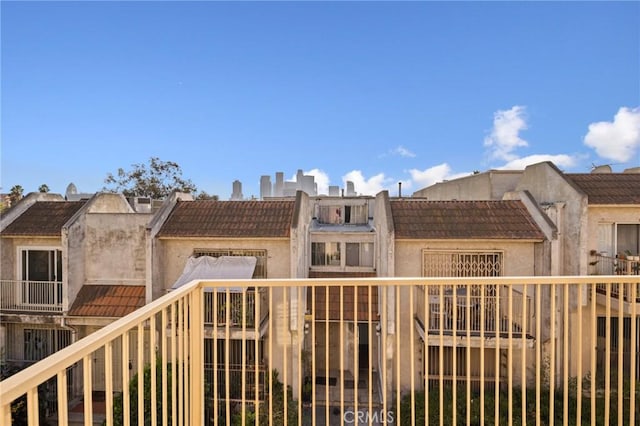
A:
(15, 194)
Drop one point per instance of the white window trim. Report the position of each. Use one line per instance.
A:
(343, 255)
(20, 249)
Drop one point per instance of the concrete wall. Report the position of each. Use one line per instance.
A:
(9, 249)
(115, 248)
(105, 244)
(175, 252)
(300, 242)
(623, 214)
(489, 185)
(518, 257)
(549, 187)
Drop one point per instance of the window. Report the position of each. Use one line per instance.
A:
(628, 239)
(261, 255)
(359, 254)
(40, 343)
(325, 254)
(41, 275)
(348, 215)
(41, 265)
(618, 238)
(461, 264)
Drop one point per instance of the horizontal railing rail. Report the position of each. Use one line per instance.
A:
(575, 365)
(30, 296)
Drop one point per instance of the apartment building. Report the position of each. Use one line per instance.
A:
(114, 260)
(598, 233)
(68, 269)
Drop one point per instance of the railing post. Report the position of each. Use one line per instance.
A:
(196, 368)
(5, 414)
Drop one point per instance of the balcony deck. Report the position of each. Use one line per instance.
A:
(411, 376)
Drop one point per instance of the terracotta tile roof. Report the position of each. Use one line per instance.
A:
(229, 219)
(43, 218)
(421, 219)
(111, 301)
(608, 188)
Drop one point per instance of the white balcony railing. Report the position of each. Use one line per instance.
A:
(30, 296)
(577, 363)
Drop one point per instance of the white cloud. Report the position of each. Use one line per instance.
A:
(403, 152)
(364, 186)
(618, 140)
(399, 151)
(504, 137)
(322, 180)
(428, 177)
(560, 160)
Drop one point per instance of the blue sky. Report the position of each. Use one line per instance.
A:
(373, 92)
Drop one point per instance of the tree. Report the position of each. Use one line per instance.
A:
(43, 188)
(16, 194)
(156, 180)
(204, 195)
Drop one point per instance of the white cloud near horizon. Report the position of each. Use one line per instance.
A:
(560, 160)
(321, 179)
(364, 186)
(505, 134)
(432, 175)
(616, 140)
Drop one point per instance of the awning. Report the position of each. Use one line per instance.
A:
(217, 268)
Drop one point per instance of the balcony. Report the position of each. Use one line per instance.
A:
(607, 265)
(18, 296)
(484, 311)
(549, 356)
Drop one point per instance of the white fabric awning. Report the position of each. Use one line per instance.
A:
(217, 268)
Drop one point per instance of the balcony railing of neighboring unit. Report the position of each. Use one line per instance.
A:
(477, 310)
(30, 296)
(620, 265)
(334, 370)
(234, 307)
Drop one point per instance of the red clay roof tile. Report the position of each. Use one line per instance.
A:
(608, 188)
(229, 219)
(111, 301)
(43, 218)
(421, 219)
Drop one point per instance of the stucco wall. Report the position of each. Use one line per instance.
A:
(548, 186)
(518, 257)
(115, 248)
(608, 214)
(483, 186)
(73, 258)
(175, 253)
(518, 260)
(9, 250)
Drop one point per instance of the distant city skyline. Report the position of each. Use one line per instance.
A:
(375, 93)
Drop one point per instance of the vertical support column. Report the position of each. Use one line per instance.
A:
(196, 368)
